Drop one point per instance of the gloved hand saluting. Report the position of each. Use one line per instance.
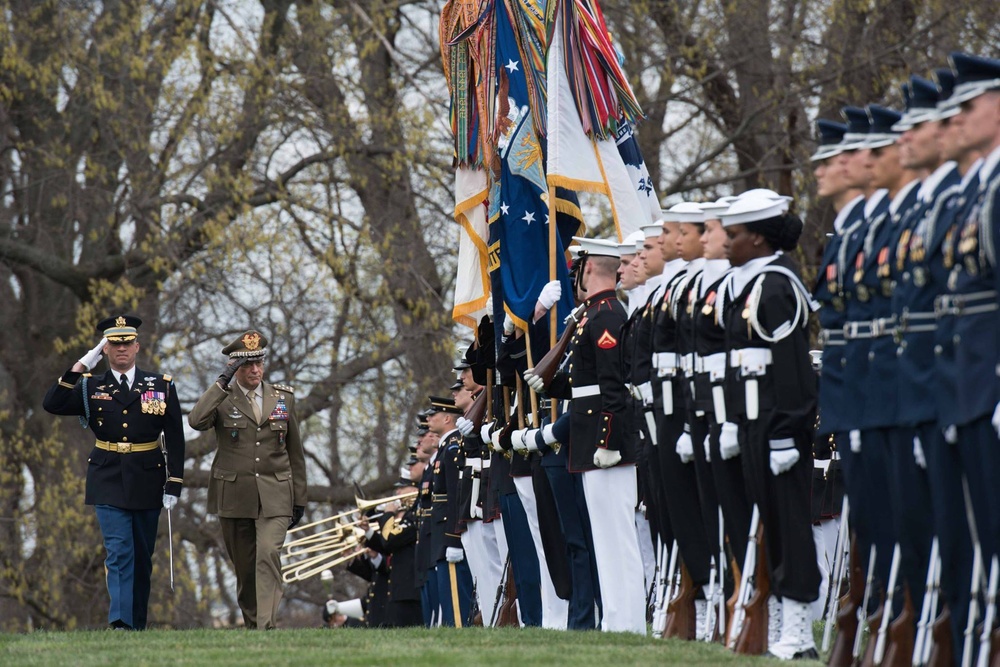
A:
(226, 376)
(93, 357)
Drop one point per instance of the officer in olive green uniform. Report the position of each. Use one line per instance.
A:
(258, 482)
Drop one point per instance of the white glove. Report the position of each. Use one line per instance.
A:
(646, 391)
(93, 357)
(548, 437)
(918, 452)
(484, 432)
(517, 439)
(548, 297)
(454, 554)
(708, 449)
(996, 419)
(551, 293)
(508, 325)
(531, 439)
(685, 449)
(533, 380)
(489, 307)
(464, 426)
(729, 442)
(951, 434)
(495, 440)
(783, 455)
(607, 458)
(169, 501)
(855, 437)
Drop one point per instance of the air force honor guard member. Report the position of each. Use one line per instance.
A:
(127, 408)
(258, 482)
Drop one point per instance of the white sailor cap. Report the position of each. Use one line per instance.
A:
(686, 211)
(753, 208)
(650, 231)
(597, 247)
(632, 243)
(713, 209)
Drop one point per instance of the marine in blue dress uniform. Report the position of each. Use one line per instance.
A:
(129, 476)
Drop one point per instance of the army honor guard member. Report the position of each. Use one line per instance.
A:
(128, 480)
(258, 481)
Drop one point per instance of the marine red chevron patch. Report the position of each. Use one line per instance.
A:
(606, 341)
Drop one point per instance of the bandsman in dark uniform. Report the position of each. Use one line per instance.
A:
(258, 476)
(129, 476)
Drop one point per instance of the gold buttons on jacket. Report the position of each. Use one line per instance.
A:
(125, 425)
(124, 412)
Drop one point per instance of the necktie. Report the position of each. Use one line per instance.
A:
(125, 386)
(253, 404)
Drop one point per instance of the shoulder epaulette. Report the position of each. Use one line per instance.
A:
(284, 387)
(167, 378)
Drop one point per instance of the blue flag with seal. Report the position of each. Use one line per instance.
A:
(518, 200)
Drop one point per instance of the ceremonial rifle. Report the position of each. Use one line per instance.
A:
(928, 608)
(847, 617)
(890, 589)
(840, 557)
(901, 635)
(681, 616)
(753, 634)
(989, 614)
(742, 594)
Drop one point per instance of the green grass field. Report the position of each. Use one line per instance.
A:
(343, 647)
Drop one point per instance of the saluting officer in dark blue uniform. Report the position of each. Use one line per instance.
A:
(129, 476)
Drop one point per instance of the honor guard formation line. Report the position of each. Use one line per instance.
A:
(679, 459)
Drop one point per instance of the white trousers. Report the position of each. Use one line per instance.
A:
(825, 538)
(479, 542)
(611, 498)
(555, 610)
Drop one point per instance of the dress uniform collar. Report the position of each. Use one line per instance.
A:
(873, 202)
(637, 298)
(988, 169)
(742, 275)
(601, 296)
(714, 269)
(930, 184)
(972, 173)
(671, 269)
(129, 374)
(901, 196)
(842, 214)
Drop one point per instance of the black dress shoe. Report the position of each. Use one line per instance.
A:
(120, 625)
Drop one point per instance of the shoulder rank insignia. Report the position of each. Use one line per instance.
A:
(284, 387)
(606, 341)
(167, 378)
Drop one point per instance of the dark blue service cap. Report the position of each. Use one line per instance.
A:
(882, 121)
(830, 135)
(921, 105)
(858, 126)
(974, 75)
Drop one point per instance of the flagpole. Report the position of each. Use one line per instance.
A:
(554, 312)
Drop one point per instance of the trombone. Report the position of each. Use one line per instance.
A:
(335, 545)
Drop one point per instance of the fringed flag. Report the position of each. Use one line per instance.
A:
(612, 166)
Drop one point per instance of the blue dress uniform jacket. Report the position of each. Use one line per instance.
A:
(445, 513)
(135, 480)
(829, 292)
(858, 307)
(973, 284)
(942, 250)
(882, 401)
(599, 415)
(913, 305)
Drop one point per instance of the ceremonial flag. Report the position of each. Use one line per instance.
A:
(472, 284)
(592, 162)
(519, 212)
